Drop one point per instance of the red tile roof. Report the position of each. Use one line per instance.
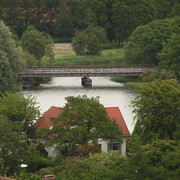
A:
(113, 112)
(45, 122)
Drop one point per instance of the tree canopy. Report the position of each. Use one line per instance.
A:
(118, 17)
(169, 57)
(36, 43)
(33, 42)
(10, 60)
(157, 111)
(147, 41)
(20, 110)
(12, 147)
(127, 15)
(83, 120)
(89, 41)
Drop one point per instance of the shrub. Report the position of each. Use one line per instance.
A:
(89, 41)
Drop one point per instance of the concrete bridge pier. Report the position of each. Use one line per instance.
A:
(86, 81)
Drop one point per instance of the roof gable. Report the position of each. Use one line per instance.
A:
(113, 113)
(44, 121)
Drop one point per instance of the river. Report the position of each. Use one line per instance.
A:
(111, 94)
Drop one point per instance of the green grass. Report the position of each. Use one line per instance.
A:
(124, 79)
(129, 81)
(133, 85)
(60, 53)
(69, 58)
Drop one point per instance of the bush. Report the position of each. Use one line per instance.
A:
(86, 149)
(89, 41)
(28, 176)
(149, 76)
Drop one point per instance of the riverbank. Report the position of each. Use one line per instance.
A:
(129, 82)
(67, 57)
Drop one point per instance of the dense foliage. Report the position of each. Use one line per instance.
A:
(147, 41)
(20, 110)
(89, 41)
(12, 147)
(170, 55)
(10, 60)
(61, 18)
(157, 110)
(37, 44)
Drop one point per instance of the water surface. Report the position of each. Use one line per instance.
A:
(111, 94)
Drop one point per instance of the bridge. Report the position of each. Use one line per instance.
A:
(84, 71)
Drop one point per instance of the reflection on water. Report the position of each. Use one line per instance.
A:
(111, 94)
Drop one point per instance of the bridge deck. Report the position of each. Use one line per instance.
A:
(83, 71)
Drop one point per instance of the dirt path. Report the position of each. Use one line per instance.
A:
(62, 46)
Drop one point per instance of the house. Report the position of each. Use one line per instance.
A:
(113, 113)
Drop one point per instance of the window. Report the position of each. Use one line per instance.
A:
(100, 146)
(114, 147)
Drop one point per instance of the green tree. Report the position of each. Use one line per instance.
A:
(175, 9)
(147, 41)
(83, 120)
(98, 166)
(30, 59)
(157, 109)
(12, 147)
(169, 57)
(77, 12)
(89, 41)
(37, 160)
(64, 22)
(162, 153)
(20, 111)
(158, 160)
(128, 14)
(163, 8)
(37, 43)
(10, 60)
(11, 14)
(33, 42)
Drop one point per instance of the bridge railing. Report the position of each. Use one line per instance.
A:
(82, 71)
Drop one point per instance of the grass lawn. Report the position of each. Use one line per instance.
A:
(61, 53)
(67, 57)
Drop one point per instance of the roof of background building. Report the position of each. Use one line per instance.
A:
(113, 112)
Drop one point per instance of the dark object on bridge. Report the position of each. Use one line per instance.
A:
(86, 81)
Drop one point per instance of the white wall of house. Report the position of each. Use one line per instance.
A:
(104, 146)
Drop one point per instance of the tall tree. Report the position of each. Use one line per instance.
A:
(64, 22)
(77, 11)
(12, 14)
(10, 60)
(20, 111)
(147, 41)
(170, 55)
(129, 14)
(89, 41)
(175, 9)
(83, 120)
(34, 42)
(163, 8)
(12, 147)
(157, 111)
